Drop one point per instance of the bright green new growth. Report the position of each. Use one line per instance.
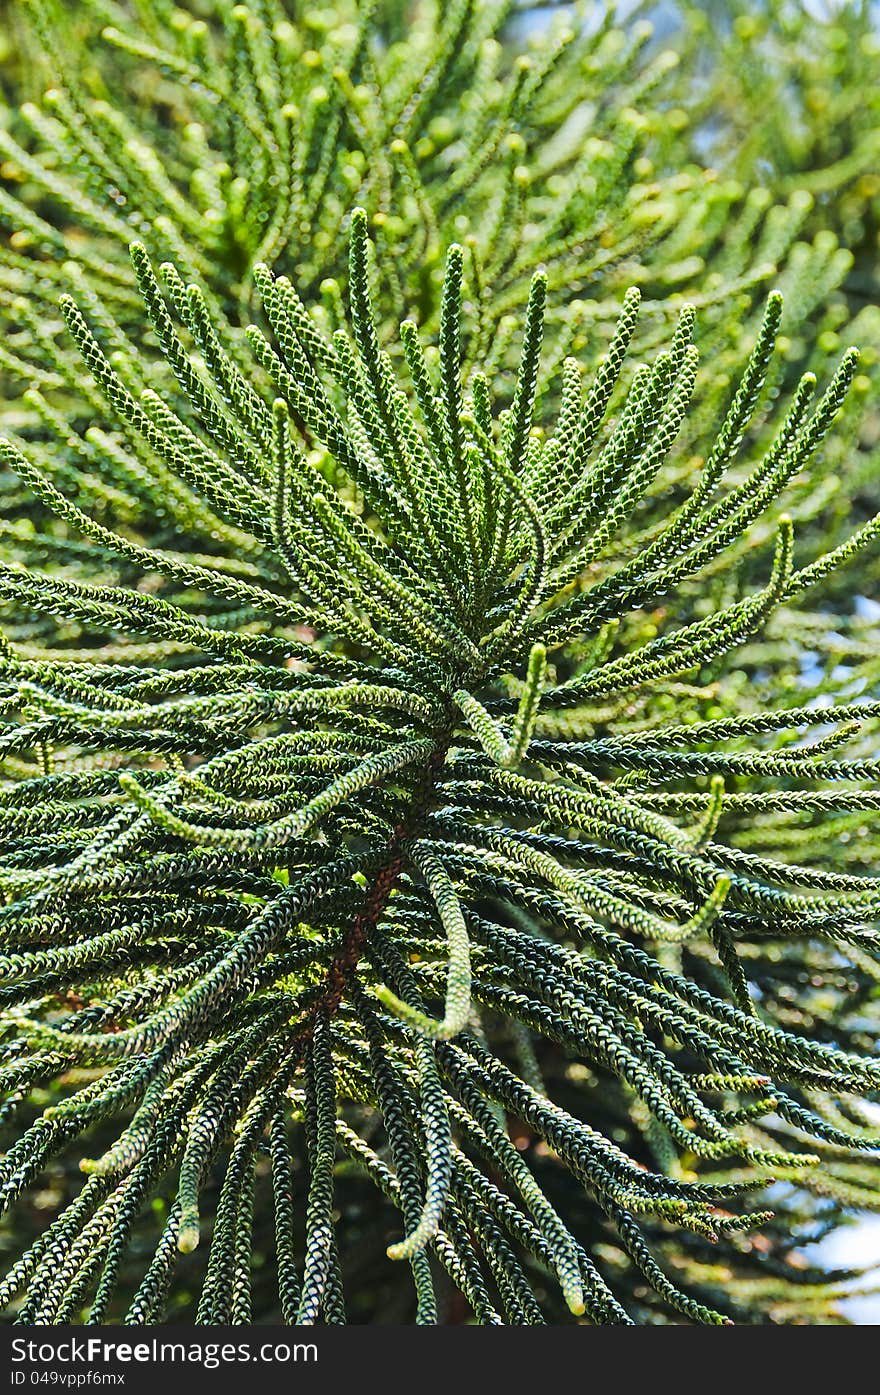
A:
(364, 835)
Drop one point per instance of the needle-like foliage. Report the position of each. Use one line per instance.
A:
(395, 798)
